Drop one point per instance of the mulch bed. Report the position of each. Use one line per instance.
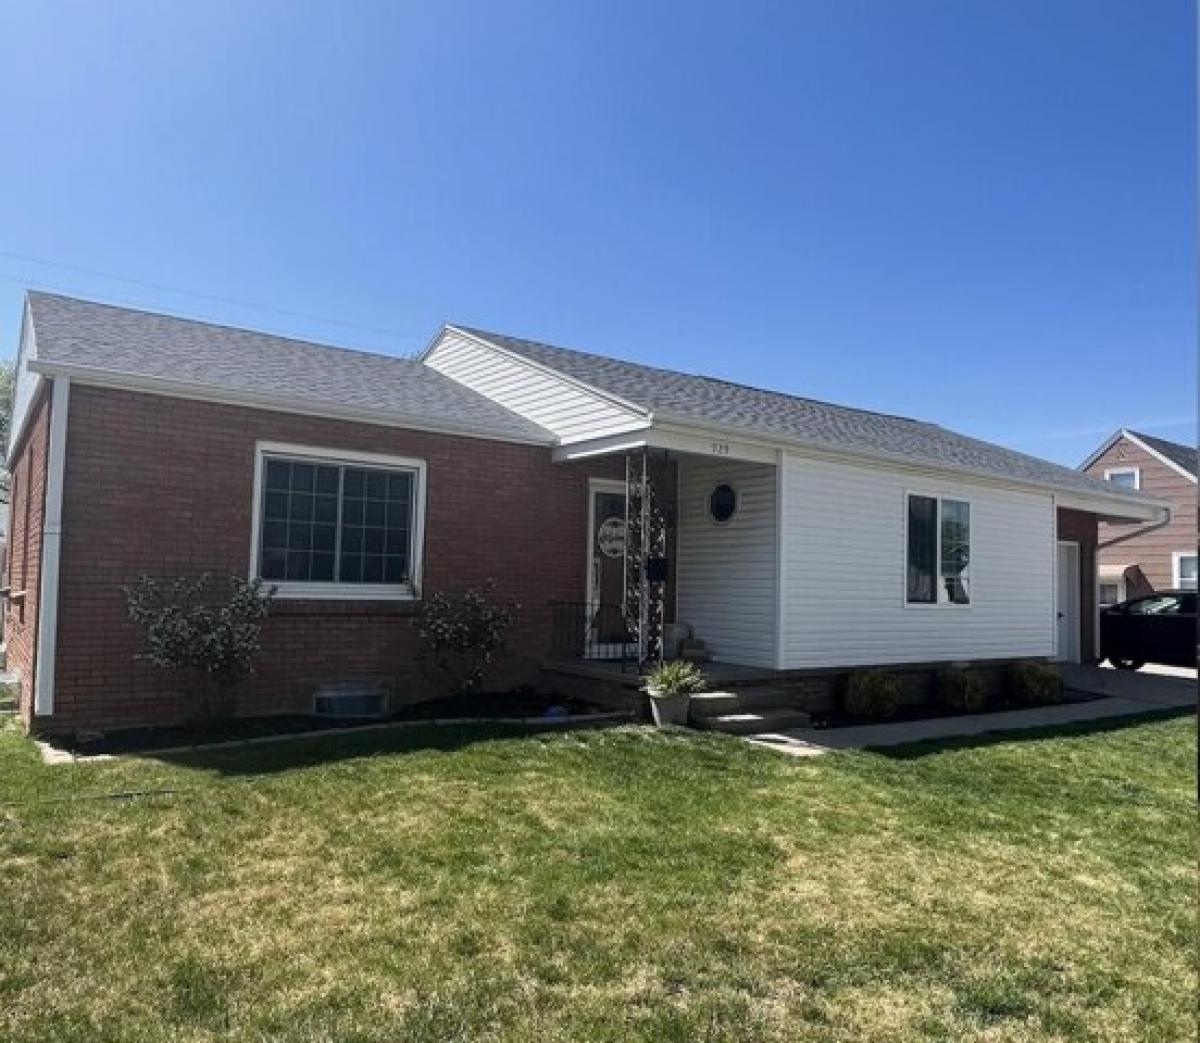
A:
(238, 729)
(933, 711)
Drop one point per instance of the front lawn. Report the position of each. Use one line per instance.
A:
(604, 885)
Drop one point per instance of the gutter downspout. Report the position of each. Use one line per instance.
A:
(1166, 520)
(47, 611)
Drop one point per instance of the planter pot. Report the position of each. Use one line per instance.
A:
(669, 709)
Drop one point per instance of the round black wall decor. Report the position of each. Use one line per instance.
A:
(722, 503)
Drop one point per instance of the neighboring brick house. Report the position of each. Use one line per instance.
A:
(790, 535)
(1140, 558)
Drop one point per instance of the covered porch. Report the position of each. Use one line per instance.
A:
(681, 557)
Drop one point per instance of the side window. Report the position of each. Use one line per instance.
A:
(938, 563)
(1108, 593)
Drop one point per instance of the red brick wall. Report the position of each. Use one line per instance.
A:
(1143, 552)
(24, 562)
(1080, 527)
(164, 485)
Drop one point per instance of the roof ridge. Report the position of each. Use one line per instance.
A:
(699, 376)
(175, 317)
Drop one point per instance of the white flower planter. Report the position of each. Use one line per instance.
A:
(669, 709)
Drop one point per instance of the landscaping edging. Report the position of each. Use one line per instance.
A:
(52, 754)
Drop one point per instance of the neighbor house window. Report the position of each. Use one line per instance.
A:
(1184, 570)
(939, 551)
(1124, 477)
(1110, 592)
(338, 527)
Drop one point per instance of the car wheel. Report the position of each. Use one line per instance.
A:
(1127, 664)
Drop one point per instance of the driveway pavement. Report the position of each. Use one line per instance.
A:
(1124, 695)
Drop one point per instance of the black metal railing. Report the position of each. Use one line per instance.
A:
(582, 630)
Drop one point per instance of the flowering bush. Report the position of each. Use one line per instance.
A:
(463, 633)
(210, 638)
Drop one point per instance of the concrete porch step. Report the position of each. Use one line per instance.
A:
(750, 723)
(741, 700)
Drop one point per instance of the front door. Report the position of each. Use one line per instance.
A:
(607, 636)
(1068, 602)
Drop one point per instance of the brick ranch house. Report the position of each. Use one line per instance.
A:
(616, 501)
(1140, 559)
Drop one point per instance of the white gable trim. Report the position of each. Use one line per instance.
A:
(1124, 432)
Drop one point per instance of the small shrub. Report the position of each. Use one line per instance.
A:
(961, 689)
(1035, 684)
(675, 678)
(212, 640)
(463, 634)
(871, 693)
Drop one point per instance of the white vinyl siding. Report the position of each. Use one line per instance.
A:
(726, 571)
(844, 559)
(562, 407)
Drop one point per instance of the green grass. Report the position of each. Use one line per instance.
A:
(605, 885)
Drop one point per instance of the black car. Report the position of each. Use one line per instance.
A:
(1157, 628)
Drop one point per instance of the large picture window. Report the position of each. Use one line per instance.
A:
(330, 527)
(939, 551)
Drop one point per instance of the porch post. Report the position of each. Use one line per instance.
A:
(645, 539)
(644, 554)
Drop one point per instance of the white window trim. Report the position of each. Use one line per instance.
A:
(1176, 567)
(937, 606)
(284, 589)
(1135, 471)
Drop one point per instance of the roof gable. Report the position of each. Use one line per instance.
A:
(573, 410)
(1180, 458)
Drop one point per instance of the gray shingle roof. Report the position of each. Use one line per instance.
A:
(1184, 456)
(772, 414)
(221, 358)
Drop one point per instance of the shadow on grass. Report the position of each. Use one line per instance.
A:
(924, 748)
(266, 758)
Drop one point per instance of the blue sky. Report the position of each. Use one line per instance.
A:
(974, 212)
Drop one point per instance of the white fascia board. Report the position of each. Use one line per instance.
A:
(277, 404)
(714, 443)
(1109, 509)
(47, 609)
(593, 447)
(558, 374)
(658, 437)
(1134, 507)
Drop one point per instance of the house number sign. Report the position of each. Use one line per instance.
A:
(720, 448)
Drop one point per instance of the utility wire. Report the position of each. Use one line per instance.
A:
(216, 298)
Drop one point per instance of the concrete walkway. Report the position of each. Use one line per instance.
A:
(1124, 695)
